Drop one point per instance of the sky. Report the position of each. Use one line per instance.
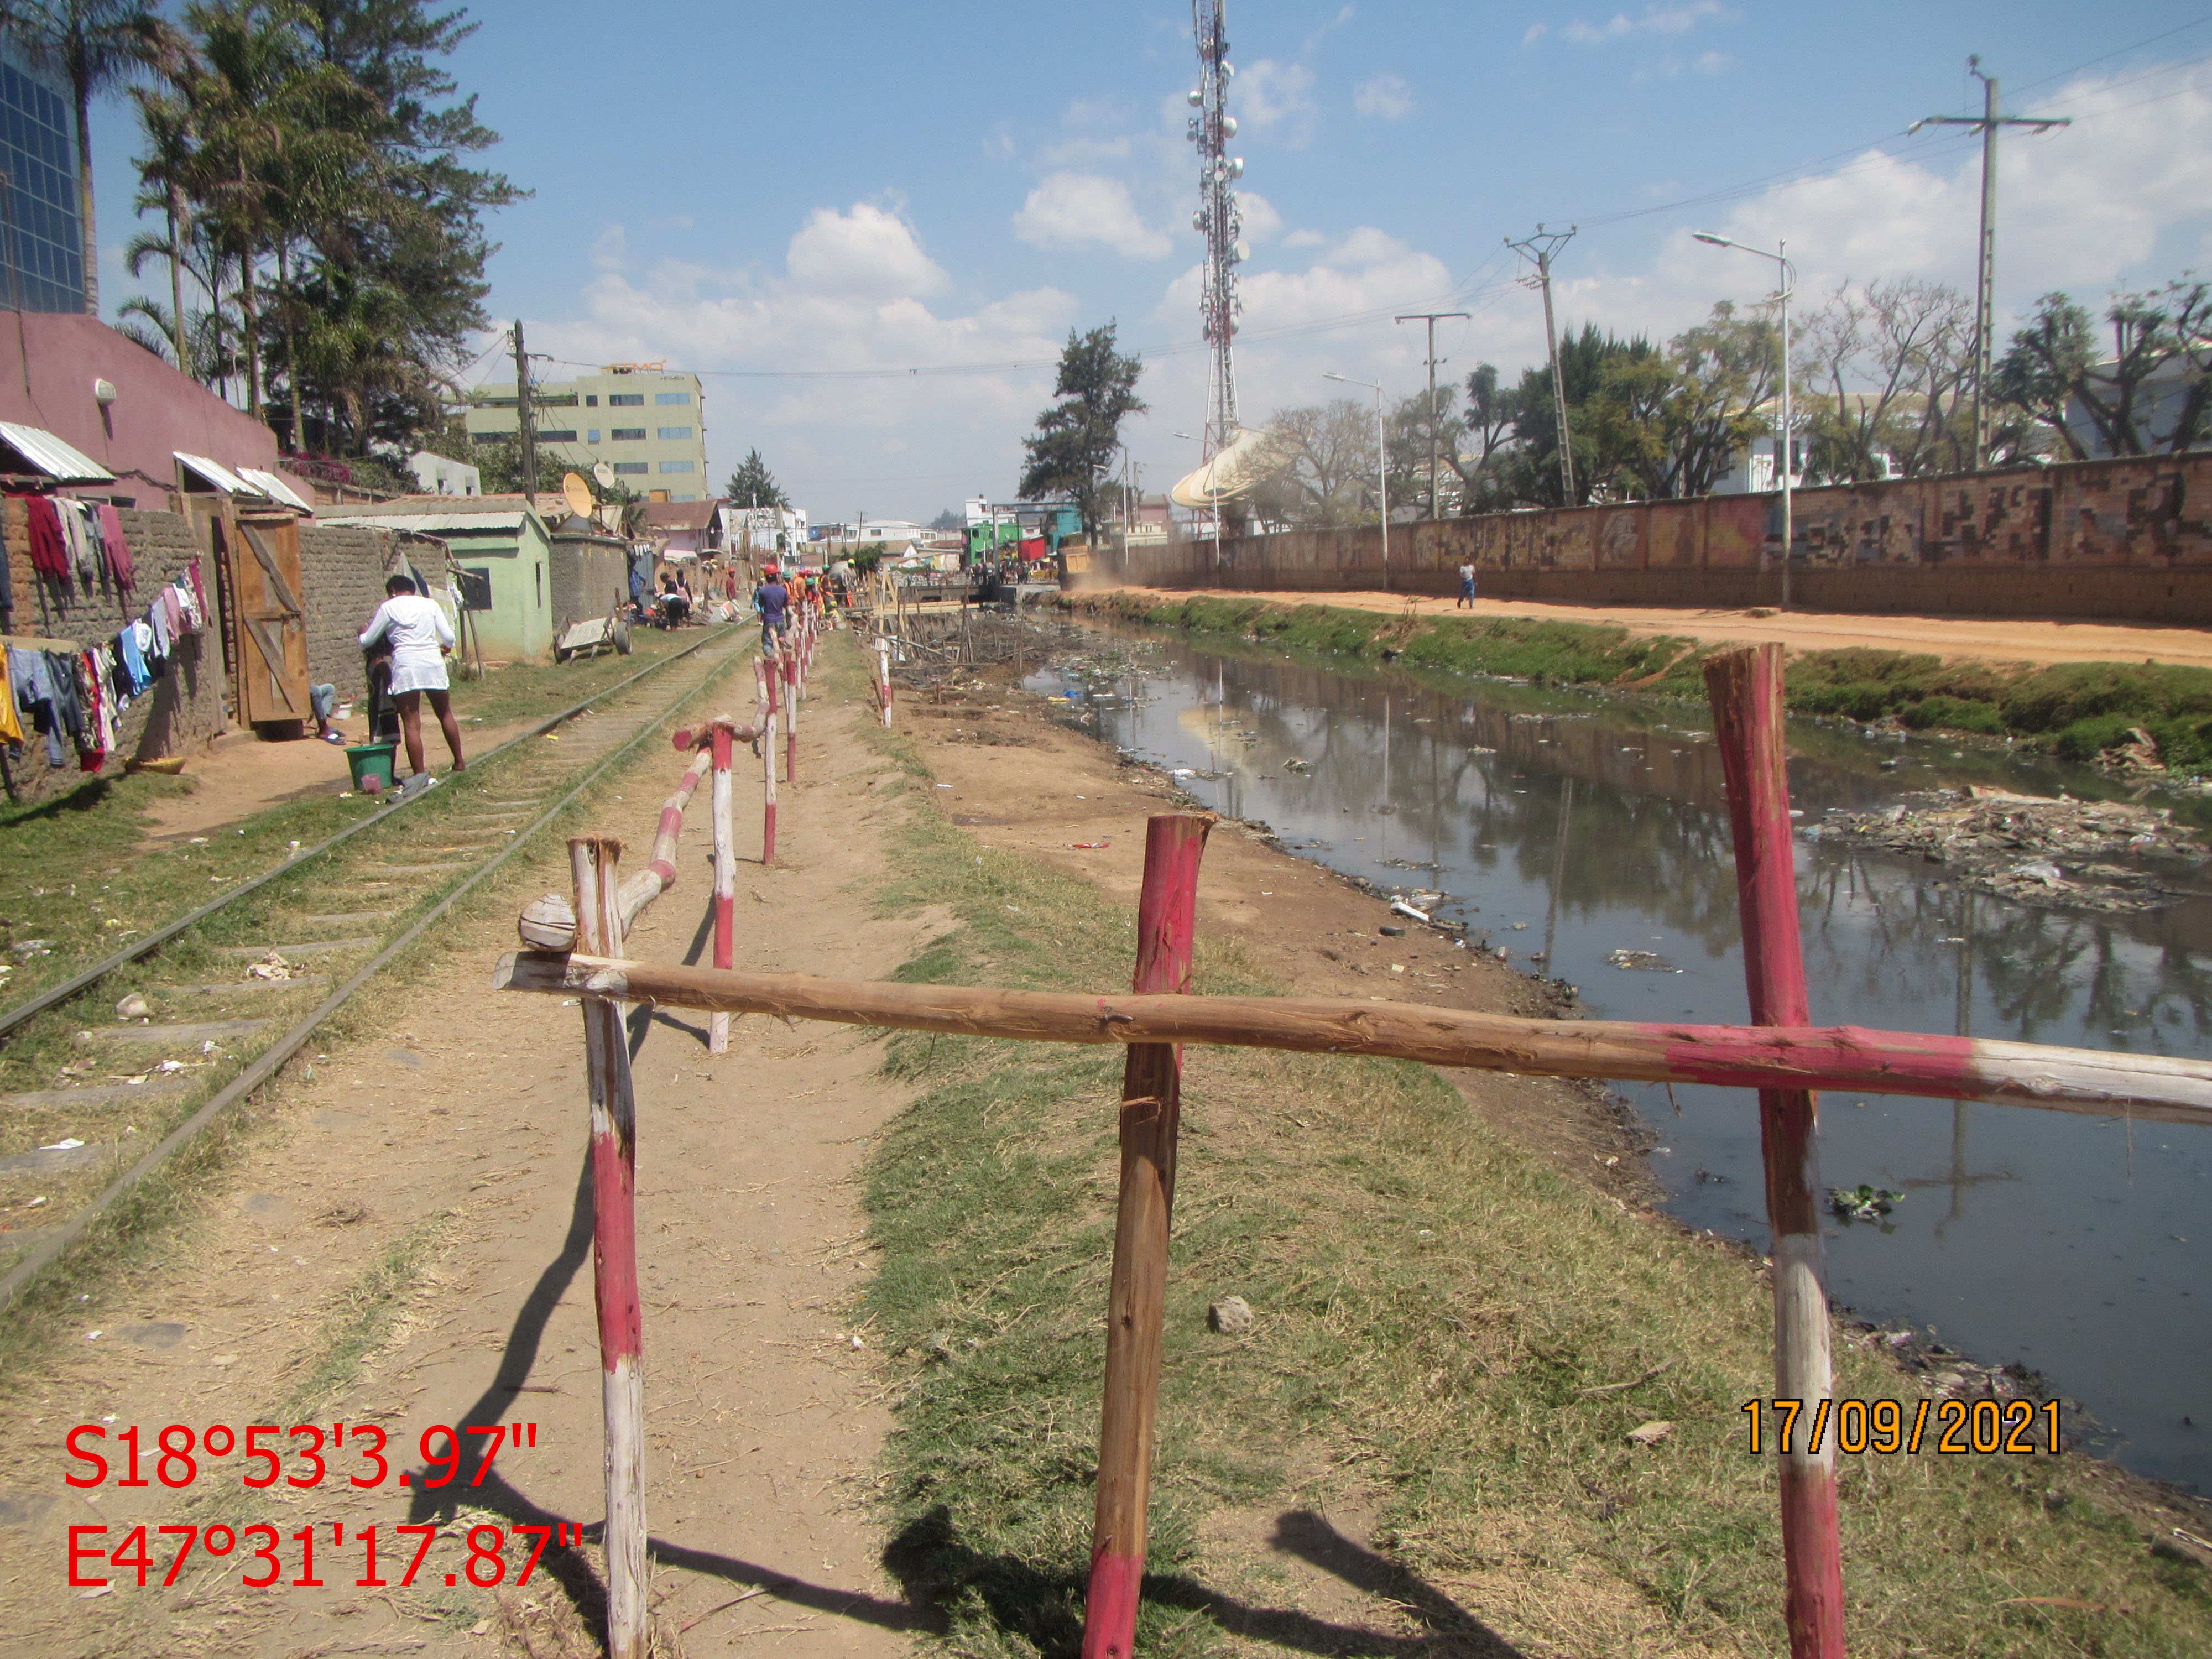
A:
(870, 227)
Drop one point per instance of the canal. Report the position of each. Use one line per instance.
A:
(1577, 832)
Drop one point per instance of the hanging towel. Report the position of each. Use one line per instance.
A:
(200, 612)
(82, 558)
(49, 553)
(119, 550)
(11, 728)
(162, 618)
(128, 648)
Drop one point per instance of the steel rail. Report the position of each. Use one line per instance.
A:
(265, 1064)
(56, 994)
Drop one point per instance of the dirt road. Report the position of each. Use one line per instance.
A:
(1990, 639)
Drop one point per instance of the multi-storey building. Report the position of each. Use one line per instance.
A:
(641, 420)
(41, 235)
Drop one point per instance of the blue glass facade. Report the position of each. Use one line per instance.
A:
(41, 236)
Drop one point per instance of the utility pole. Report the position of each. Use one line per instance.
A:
(522, 409)
(1539, 248)
(1985, 273)
(1430, 318)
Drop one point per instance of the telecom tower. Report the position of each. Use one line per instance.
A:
(1216, 219)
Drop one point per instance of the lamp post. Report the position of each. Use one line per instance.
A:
(1381, 467)
(1782, 448)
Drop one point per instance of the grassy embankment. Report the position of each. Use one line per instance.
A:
(2077, 710)
(1443, 1325)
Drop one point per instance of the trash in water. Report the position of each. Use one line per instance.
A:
(1649, 961)
(1863, 1203)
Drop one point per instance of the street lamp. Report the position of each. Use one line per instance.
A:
(1381, 467)
(1782, 448)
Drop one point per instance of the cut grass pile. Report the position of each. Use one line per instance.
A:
(2078, 710)
(1443, 1325)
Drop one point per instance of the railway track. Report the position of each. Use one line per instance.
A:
(237, 987)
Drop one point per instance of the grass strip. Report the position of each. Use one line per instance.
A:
(2076, 710)
(1430, 1405)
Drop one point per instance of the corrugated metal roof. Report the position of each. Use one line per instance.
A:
(51, 456)
(275, 487)
(220, 476)
(456, 522)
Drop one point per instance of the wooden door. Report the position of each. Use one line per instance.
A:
(272, 628)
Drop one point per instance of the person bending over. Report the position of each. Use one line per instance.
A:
(420, 638)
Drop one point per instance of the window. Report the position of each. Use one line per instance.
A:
(492, 437)
(667, 433)
(591, 435)
(676, 466)
(591, 400)
(568, 437)
(682, 498)
(631, 466)
(626, 400)
(538, 571)
(628, 434)
(670, 399)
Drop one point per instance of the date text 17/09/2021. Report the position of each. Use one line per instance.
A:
(1961, 1427)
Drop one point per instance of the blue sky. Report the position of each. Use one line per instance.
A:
(950, 187)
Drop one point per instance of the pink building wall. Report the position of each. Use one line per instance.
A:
(48, 362)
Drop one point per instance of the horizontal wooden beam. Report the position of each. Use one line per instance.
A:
(1845, 1057)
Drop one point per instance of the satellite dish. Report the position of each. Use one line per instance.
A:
(604, 474)
(577, 494)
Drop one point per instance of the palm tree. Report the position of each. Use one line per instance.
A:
(98, 45)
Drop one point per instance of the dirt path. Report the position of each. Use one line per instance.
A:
(1990, 638)
(449, 1147)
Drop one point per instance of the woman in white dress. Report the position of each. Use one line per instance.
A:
(420, 636)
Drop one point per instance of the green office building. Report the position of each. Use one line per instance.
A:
(641, 420)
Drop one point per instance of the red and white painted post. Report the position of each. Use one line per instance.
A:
(883, 678)
(767, 802)
(725, 882)
(1151, 1108)
(593, 861)
(791, 682)
(1746, 690)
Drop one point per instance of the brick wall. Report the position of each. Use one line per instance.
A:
(2128, 540)
(183, 709)
(341, 570)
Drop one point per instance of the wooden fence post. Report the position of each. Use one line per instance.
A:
(1150, 1112)
(791, 716)
(726, 882)
(1746, 690)
(593, 861)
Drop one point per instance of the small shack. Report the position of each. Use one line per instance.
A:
(500, 541)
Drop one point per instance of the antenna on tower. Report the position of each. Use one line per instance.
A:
(1217, 220)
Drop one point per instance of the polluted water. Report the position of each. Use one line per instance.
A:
(1585, 838)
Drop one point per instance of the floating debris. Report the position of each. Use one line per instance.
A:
(1863, 1203)
(1649, 962)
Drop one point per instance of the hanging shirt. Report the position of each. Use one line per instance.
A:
(133, 658)
(415, 629)
(49, 553)
(119, 550)
(199, 606)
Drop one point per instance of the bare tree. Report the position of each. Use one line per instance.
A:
(1887, 370)
(1321, 461)
(2053, 373)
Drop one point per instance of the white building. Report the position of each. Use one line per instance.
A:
(436, 476)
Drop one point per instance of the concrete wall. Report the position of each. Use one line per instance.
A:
(589, 576)
(182, 710)
(518, 627)
(2128, 540)
(48, 362)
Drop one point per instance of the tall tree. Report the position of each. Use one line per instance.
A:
(1486, 426)
(1535, 476)
(2053, 373)
(753, 485)
(1071, 454)
(1887, 367)
(98, 45)
(1319, 467)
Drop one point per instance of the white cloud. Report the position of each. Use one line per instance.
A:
(1383, 95)
(867, 251)
(611, 250)
(1711, 63)
(1261, 223)
(1659, 20)
(1305, 239)
(1269, 92)
(1077, 209)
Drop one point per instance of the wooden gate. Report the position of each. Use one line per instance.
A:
(268, 620)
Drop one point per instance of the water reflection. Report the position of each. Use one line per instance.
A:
(1566, 827)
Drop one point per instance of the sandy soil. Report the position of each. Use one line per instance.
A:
(462, 1122)
(1990, 639)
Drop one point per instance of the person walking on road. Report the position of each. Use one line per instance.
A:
(772, 599)
(420, 639)
(1466, 585)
